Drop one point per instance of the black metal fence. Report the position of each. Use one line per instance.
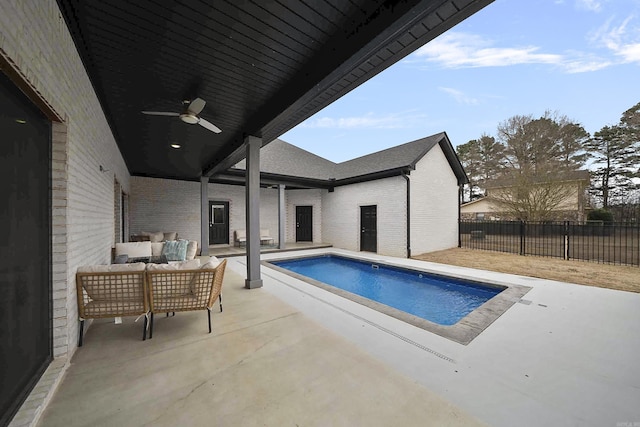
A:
(596, 242)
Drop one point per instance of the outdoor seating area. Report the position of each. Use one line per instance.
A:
(261, 350)
(157, 236)
(139, 289)
(240, 237)
(143, 251)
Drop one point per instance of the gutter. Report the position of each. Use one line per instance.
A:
(406, 177)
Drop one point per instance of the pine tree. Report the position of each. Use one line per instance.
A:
(615, 157)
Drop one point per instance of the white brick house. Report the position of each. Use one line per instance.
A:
(94, 197)
(335, 193)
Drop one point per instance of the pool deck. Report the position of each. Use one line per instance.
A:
(566, 355)
(291, 353)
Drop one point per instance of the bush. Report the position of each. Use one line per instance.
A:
(600, 215)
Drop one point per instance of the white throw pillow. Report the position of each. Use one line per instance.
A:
(134, 249)
(192, 249)
(156, 248)
(213, 262)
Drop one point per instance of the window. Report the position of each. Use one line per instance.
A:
(217, 214)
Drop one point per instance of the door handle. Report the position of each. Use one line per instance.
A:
(297, 225)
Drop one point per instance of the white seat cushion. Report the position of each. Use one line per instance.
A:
(134, 249)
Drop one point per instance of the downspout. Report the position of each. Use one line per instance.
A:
(460, 196)
(405, 176)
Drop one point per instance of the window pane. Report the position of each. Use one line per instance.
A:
(218, 214)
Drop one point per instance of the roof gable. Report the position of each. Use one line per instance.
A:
(283, 159)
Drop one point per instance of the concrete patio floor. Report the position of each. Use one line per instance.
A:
(566, 355)
(293, 354)
(265, 363)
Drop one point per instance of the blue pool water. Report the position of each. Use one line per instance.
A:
(439, 299)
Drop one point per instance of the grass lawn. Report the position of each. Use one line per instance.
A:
(623, 278)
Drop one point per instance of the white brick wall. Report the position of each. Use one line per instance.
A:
(303, 198)
(434, 204)
(34, 37)
(165, 205)
(341, 215)
(170, 205)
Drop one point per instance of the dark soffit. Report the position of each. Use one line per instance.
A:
(262, 66)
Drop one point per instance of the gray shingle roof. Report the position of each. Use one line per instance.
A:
(396, 157)
(282, 158)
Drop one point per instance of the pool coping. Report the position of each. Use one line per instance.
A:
(462, 332)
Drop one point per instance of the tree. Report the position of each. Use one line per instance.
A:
(615, 162)
(540, 156)
(572, 140)
(491, 155)
(603, 215)
(469, 156)
(528, 197)
(549, 143)
(482, 160)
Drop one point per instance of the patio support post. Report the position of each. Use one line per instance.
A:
(204, 216)
(281, 217)
(252, 195)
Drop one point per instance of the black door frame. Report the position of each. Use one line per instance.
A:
(369, 229)
(28, 293)
(302, 232)
(226, 222)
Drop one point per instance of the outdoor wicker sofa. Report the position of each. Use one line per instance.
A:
(116, 290)
(184, 289)
(139, 289)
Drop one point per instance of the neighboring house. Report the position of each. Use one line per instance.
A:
(401, 201)
(570, 205)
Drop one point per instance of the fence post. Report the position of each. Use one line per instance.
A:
(521, 237)
(566, 240)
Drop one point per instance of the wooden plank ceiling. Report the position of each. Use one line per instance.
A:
(262, 66)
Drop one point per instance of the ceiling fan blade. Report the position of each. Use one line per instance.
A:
(196, 106)
(160, 113)
(208, 125)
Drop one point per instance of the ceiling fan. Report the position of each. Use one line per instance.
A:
(189, 115)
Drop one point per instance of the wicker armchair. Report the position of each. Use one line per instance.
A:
(172, 290)
(116, 290)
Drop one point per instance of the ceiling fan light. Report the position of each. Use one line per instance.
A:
(188, 118)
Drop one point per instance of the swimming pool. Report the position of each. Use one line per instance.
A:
(455, 308)
(439, 299)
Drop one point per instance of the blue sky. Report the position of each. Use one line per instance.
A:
(579, 58)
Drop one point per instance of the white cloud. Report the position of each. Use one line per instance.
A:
(367, 121)
(463, 50)
(460, 96)
(623, 40)
(457, 50)
(591, 5)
